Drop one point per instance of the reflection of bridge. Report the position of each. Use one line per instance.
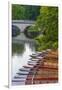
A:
(22, 39)
(22, 24)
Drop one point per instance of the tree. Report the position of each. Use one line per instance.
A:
(23, 12)
(47, 23)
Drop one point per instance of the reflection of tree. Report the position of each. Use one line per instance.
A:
(17, 48)
(30, 32)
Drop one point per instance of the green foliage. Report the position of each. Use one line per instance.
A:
(47, 22)
(25, 12)
(55, 45)
(31, 32)
(17, 12)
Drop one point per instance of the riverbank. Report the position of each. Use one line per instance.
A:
(46, 71)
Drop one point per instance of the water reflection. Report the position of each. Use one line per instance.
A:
(18, 48)
(20, 55)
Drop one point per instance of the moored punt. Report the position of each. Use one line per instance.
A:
(32, 61)
(22, 79)
(18, 80)
(24, 72)
(42, 53)
(23, 76)
(33, 56)
(19, 77)
(26, 69)
(33, 64)
(37, 63)
(18, 83)
(46, 67)
(46, 78)
(35, 59)
(28, 73)
(36, 54)
(39, 57)
(38, 70)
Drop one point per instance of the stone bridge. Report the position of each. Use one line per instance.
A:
(22, 24)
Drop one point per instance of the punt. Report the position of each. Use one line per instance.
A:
(23, 69)
(23, 76)
(24, 72)
(32, 61)
(39, 57)
(31, 73)
(18, 80)
(20, 77)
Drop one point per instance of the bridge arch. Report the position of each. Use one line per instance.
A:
(26, 31)
(22, 24)
(15, 30)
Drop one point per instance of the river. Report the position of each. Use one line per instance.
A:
(21, 51)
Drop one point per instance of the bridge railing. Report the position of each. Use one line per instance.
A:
(23, 21)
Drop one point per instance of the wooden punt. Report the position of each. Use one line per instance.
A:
(46, 78)
(34, 59)
(26, 69)
(19, 77)
(18, 80)
(24, 72)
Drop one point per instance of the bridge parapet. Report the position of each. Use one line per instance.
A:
(23, 21)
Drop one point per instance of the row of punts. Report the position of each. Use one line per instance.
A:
(21, 76)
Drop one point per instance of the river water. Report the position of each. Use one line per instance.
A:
(21, 52)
